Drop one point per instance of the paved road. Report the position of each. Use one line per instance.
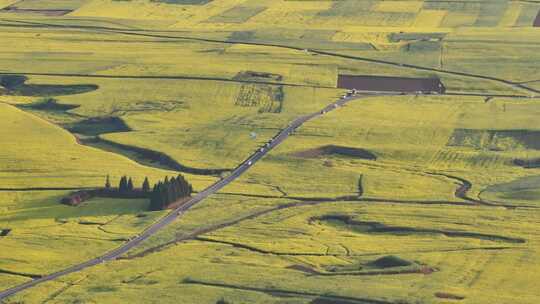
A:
(169, 218)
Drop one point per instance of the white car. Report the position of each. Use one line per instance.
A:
(249, 163)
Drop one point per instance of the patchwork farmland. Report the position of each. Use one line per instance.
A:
(269, 151)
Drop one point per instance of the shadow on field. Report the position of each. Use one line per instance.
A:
(16, 85)
(4, 232)
(277, 292)
(98, 125)
(147, 157)
(48, 208)
(48, 105)
(88, 131)
(370, 227)
(329, 150)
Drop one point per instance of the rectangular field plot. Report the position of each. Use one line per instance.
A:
(48, 8)
(371, 18)
(429, 18)
(390, 84)
(453, 6)
(491, 13)
(268, 99)
(456, 19)
(238, 14)
(185, 2)
(399, 6)
(348, 8)
(528, 16)
(511, 15)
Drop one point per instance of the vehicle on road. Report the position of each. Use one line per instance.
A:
(249, 163)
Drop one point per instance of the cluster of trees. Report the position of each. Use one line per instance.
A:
(169, 191)
(161, 196)
(126, 185)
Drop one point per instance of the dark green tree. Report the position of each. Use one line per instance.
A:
(175, 188)
(166, 192)
(108, 182)
(182, 186)
(178, 186)
(155, 203)
(170, 192)
(163, 196)
(122, 187)
(130, 185)
(146, 185)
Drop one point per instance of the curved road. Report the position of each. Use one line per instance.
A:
(169, 218)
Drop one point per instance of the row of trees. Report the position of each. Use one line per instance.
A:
(162, 195)
(166, 192)
(126, 185)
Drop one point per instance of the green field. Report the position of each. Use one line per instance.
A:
(417, 198)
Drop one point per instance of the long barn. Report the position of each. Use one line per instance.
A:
(390, 84)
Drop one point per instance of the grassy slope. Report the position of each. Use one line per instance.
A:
(410, 135)
(44, 230)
